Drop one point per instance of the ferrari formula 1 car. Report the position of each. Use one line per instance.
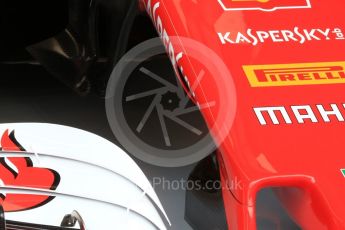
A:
(276, 72)
(273, 69)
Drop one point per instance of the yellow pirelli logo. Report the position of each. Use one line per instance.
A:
(295, 74)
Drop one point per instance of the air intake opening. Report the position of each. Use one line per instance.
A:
(271, 214)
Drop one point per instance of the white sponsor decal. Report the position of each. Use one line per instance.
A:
(152, 11)
(300, 114)
(297, 35)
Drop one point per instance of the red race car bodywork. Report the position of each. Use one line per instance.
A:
(283, 104)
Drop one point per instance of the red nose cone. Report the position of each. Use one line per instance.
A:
(286, 60)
